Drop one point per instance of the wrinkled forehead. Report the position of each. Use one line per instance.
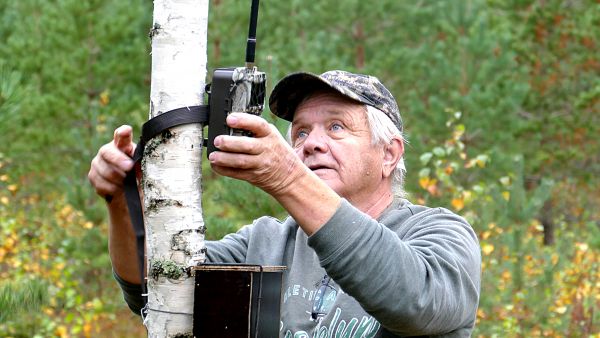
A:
(331, 102)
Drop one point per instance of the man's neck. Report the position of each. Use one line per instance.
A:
(376, 204)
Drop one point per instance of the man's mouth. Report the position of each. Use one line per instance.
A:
(317, 167)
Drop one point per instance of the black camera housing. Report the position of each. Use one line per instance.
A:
(232, 90)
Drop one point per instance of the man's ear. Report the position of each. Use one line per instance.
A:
(392, 153)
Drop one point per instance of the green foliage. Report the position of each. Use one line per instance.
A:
(521, 77)
(11, 94)
(516, 207)
(53, 265)
(84, 66)
(20, 296)
(554, 43)
(515, 203)
(229, 204)
(521, 276)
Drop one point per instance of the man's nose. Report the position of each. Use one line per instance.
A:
(316, 141)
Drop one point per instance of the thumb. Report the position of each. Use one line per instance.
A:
(123, 139)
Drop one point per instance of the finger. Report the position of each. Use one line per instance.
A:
(106, 189)
(238, 144)
(253, 123)
(107, 172)
(104, 184)
(113, 156)
(232, 160)
(229, 172)
(123, 139)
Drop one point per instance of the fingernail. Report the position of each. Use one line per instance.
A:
(127, 163)
(217, 141)
(232, 119)
(211, 157)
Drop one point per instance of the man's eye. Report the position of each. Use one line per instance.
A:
(301, 134)
(336, 127)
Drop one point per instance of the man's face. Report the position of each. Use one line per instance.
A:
(331, 136)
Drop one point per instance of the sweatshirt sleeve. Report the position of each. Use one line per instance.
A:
(132, 294)
(231, 249)
(422, 279)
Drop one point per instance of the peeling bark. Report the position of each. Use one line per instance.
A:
(171, 167)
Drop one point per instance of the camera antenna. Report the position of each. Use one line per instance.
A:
(251, 42)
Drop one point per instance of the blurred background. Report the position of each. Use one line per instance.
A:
(500, 101)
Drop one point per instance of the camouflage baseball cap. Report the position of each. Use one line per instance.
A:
(292, 89)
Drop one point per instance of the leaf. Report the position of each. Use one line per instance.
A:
(424, 158)
(505, 181)
(439, 152)
(487, 249)
(449, 170)
(104, 98)
(481, 160)
(561, 310)
(458, 203)
(424, 182)
(425, 172)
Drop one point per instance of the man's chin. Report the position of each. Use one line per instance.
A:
(332, 181)
(325, 174)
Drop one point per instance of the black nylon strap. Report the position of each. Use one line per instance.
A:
(170, 119)
(153, 127)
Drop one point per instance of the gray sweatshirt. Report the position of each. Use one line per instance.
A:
(413, 272)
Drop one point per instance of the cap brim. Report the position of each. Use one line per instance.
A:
(292, 89)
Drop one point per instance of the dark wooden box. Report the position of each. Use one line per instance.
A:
(237, 301)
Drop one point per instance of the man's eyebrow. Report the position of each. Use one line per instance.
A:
(336, 112)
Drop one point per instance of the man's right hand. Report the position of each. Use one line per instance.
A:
(113, 161)
(107, 175)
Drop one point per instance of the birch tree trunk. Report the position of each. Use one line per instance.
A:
(172, 167)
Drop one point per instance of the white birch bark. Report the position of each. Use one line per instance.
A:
(172, 167)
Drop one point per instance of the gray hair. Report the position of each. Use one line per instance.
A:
(383, 131)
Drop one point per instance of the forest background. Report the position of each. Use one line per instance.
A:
(499, 98)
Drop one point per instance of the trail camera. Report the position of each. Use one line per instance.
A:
(234, 90)
(236, 300)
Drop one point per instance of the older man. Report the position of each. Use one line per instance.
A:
(362, 261)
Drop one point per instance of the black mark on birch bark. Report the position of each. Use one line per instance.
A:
(157, 203)
(154, 30)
